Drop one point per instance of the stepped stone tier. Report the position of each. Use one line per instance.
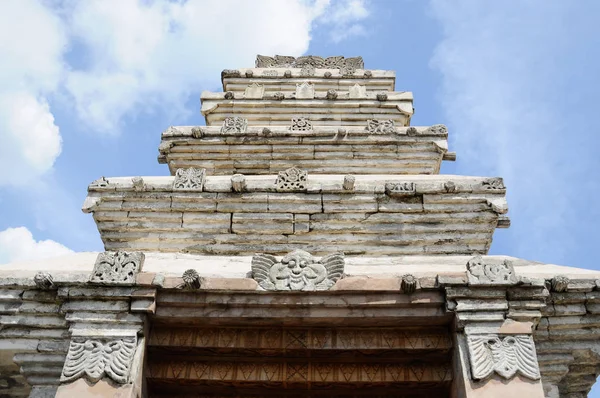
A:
(304, 245)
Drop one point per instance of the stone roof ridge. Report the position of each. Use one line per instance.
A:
(334, 62)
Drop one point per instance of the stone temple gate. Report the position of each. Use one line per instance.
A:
(304, 245)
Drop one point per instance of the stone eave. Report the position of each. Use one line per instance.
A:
(290, 99)
(285, 79)
(323, 150)
(327, 132)
(491, 188)
(164, 270)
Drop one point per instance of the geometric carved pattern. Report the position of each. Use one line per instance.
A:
(505, 355)
(400, 188)
(292, 179)
(297, 270)
(298, 372)
(117, 268)
(95, 358)
(481, 273)
(300, 338)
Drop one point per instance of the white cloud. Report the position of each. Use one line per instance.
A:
(145, 54)
(18, 244)
(501, 72)
(138, 57)
(344, 18)
(32, 42)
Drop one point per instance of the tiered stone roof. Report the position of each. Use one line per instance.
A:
(306, 223)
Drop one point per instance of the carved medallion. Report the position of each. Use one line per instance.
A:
(298, 270)
(117, 268)
(191, 179)
(380, 126)
(301, 124)
(235, 124)
(505, 355)
(481, 273)
(292, 179)
(96, 358)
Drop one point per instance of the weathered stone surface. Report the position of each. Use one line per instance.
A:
(95, 358)
(480, 272)
(298, 270)
(504, 355)
(117, 268)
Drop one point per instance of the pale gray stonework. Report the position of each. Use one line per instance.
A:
(117, 268)
(297, 270)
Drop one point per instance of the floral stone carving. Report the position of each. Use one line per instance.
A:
(301, 124)
(380, 126)
(117, 268)
(298, 270)
(234, 124)
(481, 273)
(504, 355)
(292, 179)
(96, 358)
(191, 179)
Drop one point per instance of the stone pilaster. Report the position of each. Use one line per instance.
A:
(107, 329)
(496, 311)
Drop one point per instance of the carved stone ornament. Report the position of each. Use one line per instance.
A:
(504, 355)
(191, 179)
(493, 184)
(197, 132)
(279, 96)
(436, 129)
(331, 94)
(400, 188)
(382, 96)
(230, 73)
(43, 280)
(280, 61)
(270, 73)
(287, 73)
(191, 279)
(101, 182)
(297, 270)
(292, 179)
(301, 124)
(307, 70)
(559, 283)
(254, 91)
(380, 126)
(229, 95)
(249, 73)
(138, 184)
(234, 124)
(117, 268)
(96, 358)
(481, 273)
(305, 90)
(408, 284)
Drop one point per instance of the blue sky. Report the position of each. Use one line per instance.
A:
(87, 87)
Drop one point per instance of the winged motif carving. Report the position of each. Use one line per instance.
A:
(95, 358)
(297, 270)
(505, 355)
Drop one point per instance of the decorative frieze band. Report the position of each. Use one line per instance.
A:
(282, 61)
(293, 371)
(274, 338)
(235, 124)
(298, 270)
(504, 355)
(96, 358)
